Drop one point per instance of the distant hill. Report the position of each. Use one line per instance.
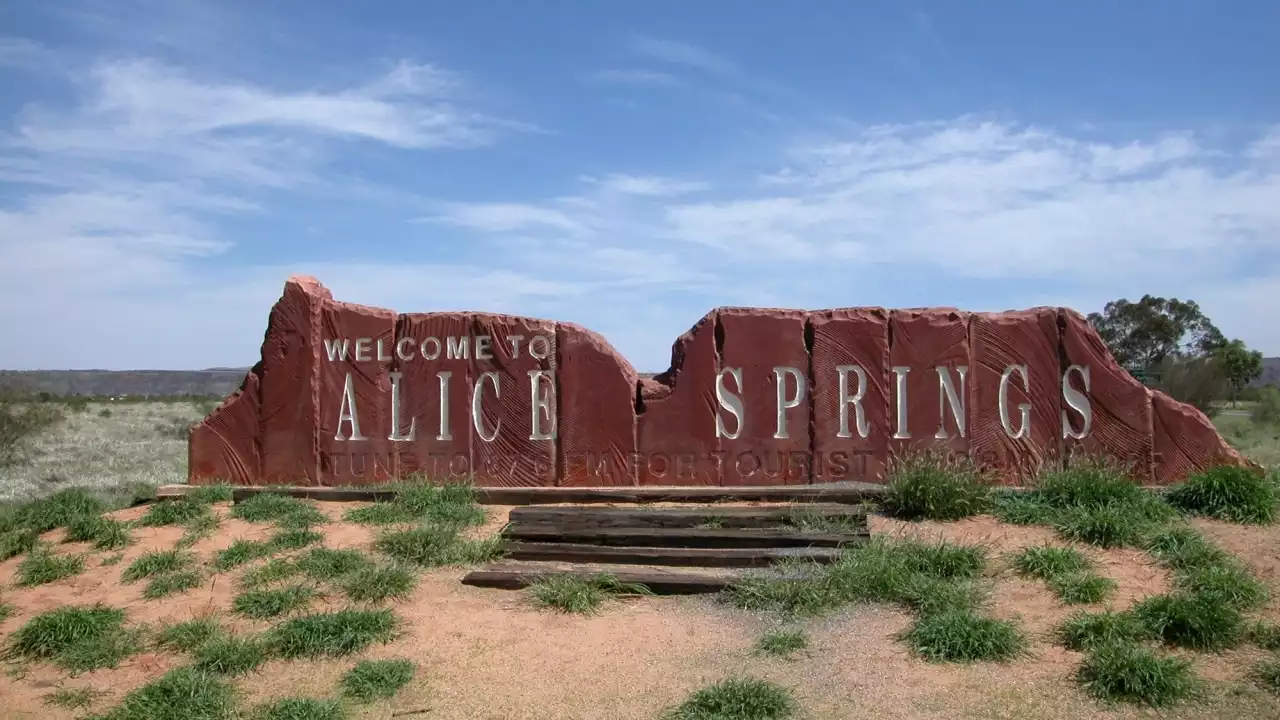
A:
(1270, 373)
(116, 383)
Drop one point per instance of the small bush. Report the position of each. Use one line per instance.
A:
(373, 679)
(157, 562)
(20, 424)
(1267, 411)
(737, 699)
(41, 566)
(1082, 588)
(1047, 562)
(379, 583)
(105, 533)
(229, 656)
(932, 487)
(300, 709)
(582, 595)
(436, 546)
(182, 694)
(1233, 494)
(332, 634)
(1129, 673)
(783, 643)
(1191, 622)
(188, 636)
(76, 637)
(263, 604)
(962, 636)
(171, 584)
(1084, 631)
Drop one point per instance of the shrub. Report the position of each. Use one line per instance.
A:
(1126, 672)
(20, 424)
(373, 679)
(1267, 411)
(931, 486)
(583, 595)
(737, 699)
(962, 636)
(1233, 494)
(1084, 631)
(1198, 381)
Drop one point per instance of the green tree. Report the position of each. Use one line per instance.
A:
(1240, 365)
(1143, 334)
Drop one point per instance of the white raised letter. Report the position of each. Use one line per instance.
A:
(337, 350)
(900, 378)
(729, 401)
(401, 351)
(783, 404)
(546, 347)
(457, 348)
(1078, 402)
(947, 395)
(362, 349)
(541, 404)
(476, 420)
(484, 347)
(382, 353)
(1024, 409)
(860, 417)
(347, 411)
(515, 344)
(432, 354)
(445, 433)
(395, 411)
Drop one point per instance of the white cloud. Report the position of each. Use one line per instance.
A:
(681, 53)
(646, 185)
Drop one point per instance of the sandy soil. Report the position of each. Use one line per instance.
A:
(488, 654)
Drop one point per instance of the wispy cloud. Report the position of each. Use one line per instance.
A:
(677, 52)
(645, 185)
(635, 78)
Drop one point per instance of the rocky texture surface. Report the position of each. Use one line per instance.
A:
(598, 423)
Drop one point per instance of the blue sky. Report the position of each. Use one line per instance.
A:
(164, 166)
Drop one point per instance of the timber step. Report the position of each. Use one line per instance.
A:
(795, 516)
(728, 557)
(683, 537)
(660, 581)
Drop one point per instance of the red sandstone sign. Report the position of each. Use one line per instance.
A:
(347, 394)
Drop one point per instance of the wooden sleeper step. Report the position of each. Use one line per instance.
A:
(730, 557)
(682, 537)
(515, 576)
(794, 516)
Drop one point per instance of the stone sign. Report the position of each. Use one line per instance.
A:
(346, 395)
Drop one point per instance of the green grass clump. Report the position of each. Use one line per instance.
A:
(1267, 675)
(73, 698)
(57, 510)
(174, 512)
(1082, 588)
(76, 637)
(1229, 584)
(378, 583)
(280, 509)
(209, 494)
(198, 529)
(239, 553)
(171, 584)
(158, 562)
(1265, 636)
(263, 604)
(1047, 562)
(1023, 508)
(299, 709)
(737, 699)
(332, 634)
(182, 694)
(1107, 526)
(42, 566)
(272, 571)
(1085, 631)
(379, 513)
(1198, 623)
(328, 564)
(963, 636)
(294, 538)
(931, 486)
(783, 643)
(436, 546)
(446, 504)
(188, 636)
(1183, 548)
(373, 679)
(1090, 501)
(230, 656)
(1233, 494)
(5, 611)
(16, 542)
(581, 595)
(1091, 484)
(1130, 673)
(105, 533)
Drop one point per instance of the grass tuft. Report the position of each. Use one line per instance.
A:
(230, 656)
(1107, 526)
(16, 542)
(174, 512)
(272, 571)
(1265, 636)
(1198, 623)
(1233, 494)
(41, 566)
(1229, 584)
(264, 604)
(581, 595)
(299, 709)
(436, 546)
(370, 680)
(239, 553)
(171, 584)
(1267, 675)
(1047, 562)
(783, 643)
(328, 564)
(57, 510)
(332, 634)
(158, 562)
(1130, 673)
(188, 636)
(294, 538)
(76, 637)
(73, 698)
(737, 699)
(182, 694)
(283, 510)
(1183, 548)
(379, 583)
(105, 533)
(1082, 588)
(930, 486)
(209, 494)
(962, 636)
(1085, 631)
